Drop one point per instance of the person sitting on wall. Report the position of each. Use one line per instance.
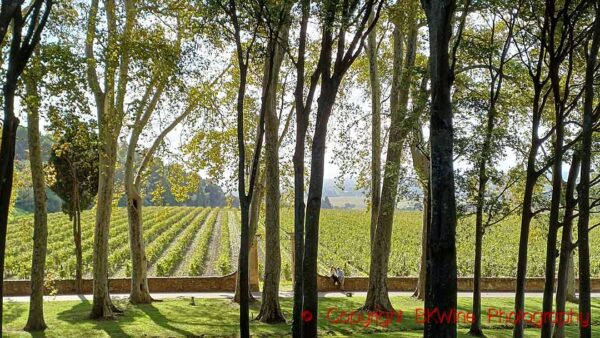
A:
(334, 276)
(340, 277)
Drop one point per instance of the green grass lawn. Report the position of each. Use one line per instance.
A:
(219, 317)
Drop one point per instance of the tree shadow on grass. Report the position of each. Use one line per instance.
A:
(80, 313)
(161, 320)
(12, 311)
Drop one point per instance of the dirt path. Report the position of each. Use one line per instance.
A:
(182, 268)
(211, 268)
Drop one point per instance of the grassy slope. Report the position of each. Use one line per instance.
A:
(213, 317)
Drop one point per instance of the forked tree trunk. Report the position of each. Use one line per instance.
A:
(401, 125)
(302, 114)
(270, 310)
(35, 319)
(556, 82)
(441, 237)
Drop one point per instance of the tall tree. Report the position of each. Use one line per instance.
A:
(32, 21)
(240, 26)
(35, 319)
(270, 310)
(341, 16)
(496, 79)
(590, 118)
(539, 81)
(110, 100)
(402, 120)
(162, 77)
(303, 107)
(441, 235)
(561, 45)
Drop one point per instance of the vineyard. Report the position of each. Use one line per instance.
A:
(188, 241)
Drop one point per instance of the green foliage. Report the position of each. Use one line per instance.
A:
(73, 167)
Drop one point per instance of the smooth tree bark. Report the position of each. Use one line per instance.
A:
(375, 83)
(401, 124)
(583, 189)
(441, 235)
(110, 110)
(35, 319)
(20, 50)
(270, 310)
(341, 16)
(566, 246)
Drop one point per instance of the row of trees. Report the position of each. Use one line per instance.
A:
(489, 83)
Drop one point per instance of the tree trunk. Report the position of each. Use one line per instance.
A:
(302, 115)
(270, 310)
(566, 247)
(527, 215)
(441, 240)
(401, 125)
(35, 320)
(18, 56)
(571, 282)
(139, 293)
(7, 161)
(585, 331)
(421, 166)
(375, 127)
(313, 211)
(255, 205)
(102, 307)
(76, 210)
(555, 204)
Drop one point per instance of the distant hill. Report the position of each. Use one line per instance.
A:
(349, 197)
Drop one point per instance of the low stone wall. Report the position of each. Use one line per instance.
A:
(491, 284)
(122, 285)
(227, 284)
